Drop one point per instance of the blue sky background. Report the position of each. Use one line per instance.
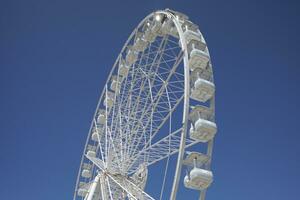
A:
(54, 59)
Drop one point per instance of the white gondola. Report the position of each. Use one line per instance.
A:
(115, 83)
(179, 16)
(91, 153)
(83, 188)
(168, 28)
(81, 184)
(190, 31)
(148, 34)
(203, 128)
(123, 68)
(140, 43)
(86, 173)
(82, 192)
(202, 88)
(91, 147)
(101, 117)
(198, 179)
(86, 166)
(192, 156)
(109, 99)
(198, 59)
(198, 55)
(97, 133)
(155, 24)
(95, 136)
(131, 56)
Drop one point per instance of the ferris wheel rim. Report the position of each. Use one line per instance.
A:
(186, 106)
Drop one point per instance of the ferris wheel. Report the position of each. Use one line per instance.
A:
(157, 109)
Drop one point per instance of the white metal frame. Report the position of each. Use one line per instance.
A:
(144, 117)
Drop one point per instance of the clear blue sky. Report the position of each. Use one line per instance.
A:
(54, 59)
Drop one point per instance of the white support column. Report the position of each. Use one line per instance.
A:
(202, 195)
(92, 189)
(103, 187)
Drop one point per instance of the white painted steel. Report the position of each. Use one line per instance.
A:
(198, 179)
(92, 189)
(148, 83)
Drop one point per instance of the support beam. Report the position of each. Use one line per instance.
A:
(202, 195)
(103, 187)
(92, 189)
(134, 191)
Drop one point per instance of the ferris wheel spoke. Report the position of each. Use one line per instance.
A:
(159, 95)
(100, 144)
(161, 46)
(113, 150)
(149, 53)
(110, 191)
(160, 150)
(98, 162)
(157, 150)
(131, 189)
(156, 129)
(157, 98)
(137, 102)
(153, 65)
(121, 118)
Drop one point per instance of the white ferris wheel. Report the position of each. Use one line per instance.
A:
(157, 105)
